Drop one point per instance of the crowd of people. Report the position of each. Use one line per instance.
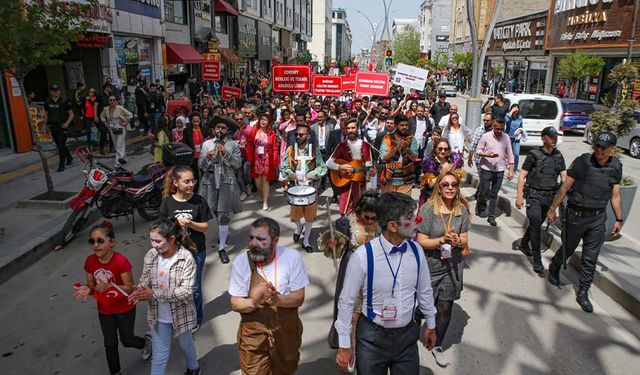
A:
(374, 154)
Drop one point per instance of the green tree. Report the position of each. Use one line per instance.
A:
(463, 62)
(439, 61)
(578, 66)
(304, 57)
(37, 33)
(406, 46)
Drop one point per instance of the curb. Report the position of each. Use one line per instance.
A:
(608, 286)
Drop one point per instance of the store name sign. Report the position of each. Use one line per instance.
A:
(518, 30)
(595, 35)
(567, 5)
(153, 3)
(100, 15)
(516, 45)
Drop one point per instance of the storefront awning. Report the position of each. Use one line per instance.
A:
(222, 6)
(182, 54)
(227, 54)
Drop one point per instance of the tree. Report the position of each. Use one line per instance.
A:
(36, 33)
(463, 62)
(578, 66)
(304, 57)
(438, 62)
(406, 46)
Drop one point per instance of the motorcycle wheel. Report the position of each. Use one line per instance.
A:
(74, 224)
(150, 211)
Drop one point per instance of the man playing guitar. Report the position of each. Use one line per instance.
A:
(399, 151)
(351, 152)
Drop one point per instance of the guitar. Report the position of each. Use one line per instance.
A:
(340, 178)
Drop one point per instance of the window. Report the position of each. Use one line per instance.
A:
(538, 109)
(175, 11)
(221, 24)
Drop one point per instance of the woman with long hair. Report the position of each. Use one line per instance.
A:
(109, 274)
(458, 135)
(439, 161)
(167, 283)
(193, 214)
(515, 129)
(263, 153)
(443, 234)
(413, 106)
(161, 138)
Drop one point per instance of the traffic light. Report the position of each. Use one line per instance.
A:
(389, 53)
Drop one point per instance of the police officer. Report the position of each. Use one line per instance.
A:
(58, 116)
(538, 183)
(592, 180)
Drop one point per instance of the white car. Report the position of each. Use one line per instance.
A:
(538, 111)
(449, 88)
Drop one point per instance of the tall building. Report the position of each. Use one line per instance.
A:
(400, 24)
(435, 26)
(320, 45)
(340, 36)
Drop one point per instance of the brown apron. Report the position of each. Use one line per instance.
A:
(269, 338)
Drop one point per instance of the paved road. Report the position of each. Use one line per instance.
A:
(508, 321)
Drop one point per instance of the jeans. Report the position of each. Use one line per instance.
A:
(112, 325)
(490, 183)
(154, 118)
(161, 348)
(515, 147)
(200, 258)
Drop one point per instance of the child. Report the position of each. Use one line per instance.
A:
(161, 138)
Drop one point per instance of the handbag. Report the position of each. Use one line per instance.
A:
(117, 131)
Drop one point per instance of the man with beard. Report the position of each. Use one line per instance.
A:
(399, 152)
(352, 151)
(392, 290)
(267, 287)
(220, 160)
(303, 165)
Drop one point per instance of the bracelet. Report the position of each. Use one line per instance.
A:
(618, 220)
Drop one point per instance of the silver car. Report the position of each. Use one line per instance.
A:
(629, 142)
(449, 88)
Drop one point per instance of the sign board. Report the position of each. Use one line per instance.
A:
(348, 82)
(210, 70)
(388, 61)
(291, 78)
(368, 83)
(411, 77)
(327, 85)
(229, 92)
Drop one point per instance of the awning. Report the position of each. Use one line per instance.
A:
(227, 54)
(222, 6)
(182, 54)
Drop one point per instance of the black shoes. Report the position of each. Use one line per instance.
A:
(122, 161)
(193, 372)
(554, 274)
(296, 237)
(537, 264)
(583, 300)
(224, 258)
(308, 249)
(492, 220)
(61, 168)
(524, 247)
(69, 160)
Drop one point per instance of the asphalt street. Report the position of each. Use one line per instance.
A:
(508, 321)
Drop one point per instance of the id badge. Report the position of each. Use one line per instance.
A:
(260, 150)
(197, 148)
(389, 309)
(152, 106)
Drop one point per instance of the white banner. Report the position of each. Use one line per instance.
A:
(411, 77)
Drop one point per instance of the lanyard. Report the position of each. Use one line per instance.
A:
(275, 277)
(447, 227)
(394, 274)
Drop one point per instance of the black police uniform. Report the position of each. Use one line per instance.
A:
(585, 216)
(57, 114)
(541, 185)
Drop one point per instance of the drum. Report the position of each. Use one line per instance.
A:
(301, 195)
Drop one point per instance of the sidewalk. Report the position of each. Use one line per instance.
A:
(618, 268)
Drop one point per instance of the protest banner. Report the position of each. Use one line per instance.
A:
(368, 83)
(411, 77)
(291, 78)
(229, 92)
(348, 82)
(327, 85)
(210, 70)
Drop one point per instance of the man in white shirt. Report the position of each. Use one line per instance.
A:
(387, 330)
(444, 121)
(267, 288)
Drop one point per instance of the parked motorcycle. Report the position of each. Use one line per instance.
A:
(115, 192)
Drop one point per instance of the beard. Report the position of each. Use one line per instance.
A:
(352, 136)
(301, 143)
(220, 135)
(403, 132)
(260, 255)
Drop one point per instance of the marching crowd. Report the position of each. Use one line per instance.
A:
(371, 153)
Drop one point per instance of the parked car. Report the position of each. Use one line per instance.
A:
(418, 95)
(629, 142)
(449, 88)
(575, 114)
(538, 111)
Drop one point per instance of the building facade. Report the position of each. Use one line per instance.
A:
(320, 45)
(341, 37)
(435, 27)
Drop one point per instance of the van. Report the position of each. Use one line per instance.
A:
(538, 111)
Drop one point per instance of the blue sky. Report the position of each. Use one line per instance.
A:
(374, 9)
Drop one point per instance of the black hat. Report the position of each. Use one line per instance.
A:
(442, 95)
(606, 139)
(550, 131)
(55, 87)
(232, 125)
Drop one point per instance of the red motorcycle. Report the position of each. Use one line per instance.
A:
(115, 192)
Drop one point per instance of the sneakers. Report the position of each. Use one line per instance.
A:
(195, 329)
(224, 258)
(440, 357)
(146, 350)
(492, 221)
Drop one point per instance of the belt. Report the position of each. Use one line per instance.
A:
(379, 327)
(543, 193)
(578, 211)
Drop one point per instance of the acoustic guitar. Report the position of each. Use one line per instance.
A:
(340, 178)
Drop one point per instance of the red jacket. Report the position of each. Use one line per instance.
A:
(273, 151)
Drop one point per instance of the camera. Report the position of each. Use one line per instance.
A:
(446, 251)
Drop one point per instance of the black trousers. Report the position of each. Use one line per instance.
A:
(104, 135)
(59, 136)
(379, 350)
(537, 208)
(123, 324)
(591, 231)
(142, 118)
(490, 183)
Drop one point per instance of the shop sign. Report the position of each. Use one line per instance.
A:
(210, 70)
(264, 41)
(229, 92)
(100, 15)
(213, 44)
(202, 10)
(291, 78)
(92, 40)
(368, 83)
(247, 35)
(589, 24)
(442, 38)
(149, 8)
(518, 36)
(327, 85)
(348, 82)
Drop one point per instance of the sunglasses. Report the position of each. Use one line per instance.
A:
(446, 185)
(99, 240)
(443, 148)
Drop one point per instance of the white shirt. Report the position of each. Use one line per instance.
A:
(164, 266)
(356, 153)
(444, 121)
(356, 281)
(322, 129)
(456, 140)
(291, 273)
(421, 127)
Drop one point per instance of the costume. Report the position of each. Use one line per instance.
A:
(348, 151)
(399, 173)
(430, 169)
(263, 153)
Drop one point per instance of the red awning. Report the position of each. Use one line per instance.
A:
(227, 54)
(182, 54)
(222, 6)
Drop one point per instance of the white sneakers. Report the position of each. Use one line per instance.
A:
(440, 357)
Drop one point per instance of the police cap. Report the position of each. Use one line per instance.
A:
(606, 139)
(550, 131)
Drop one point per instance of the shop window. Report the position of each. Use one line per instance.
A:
(221, 24)
(175, 11)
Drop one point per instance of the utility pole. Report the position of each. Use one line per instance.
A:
(632, 37)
